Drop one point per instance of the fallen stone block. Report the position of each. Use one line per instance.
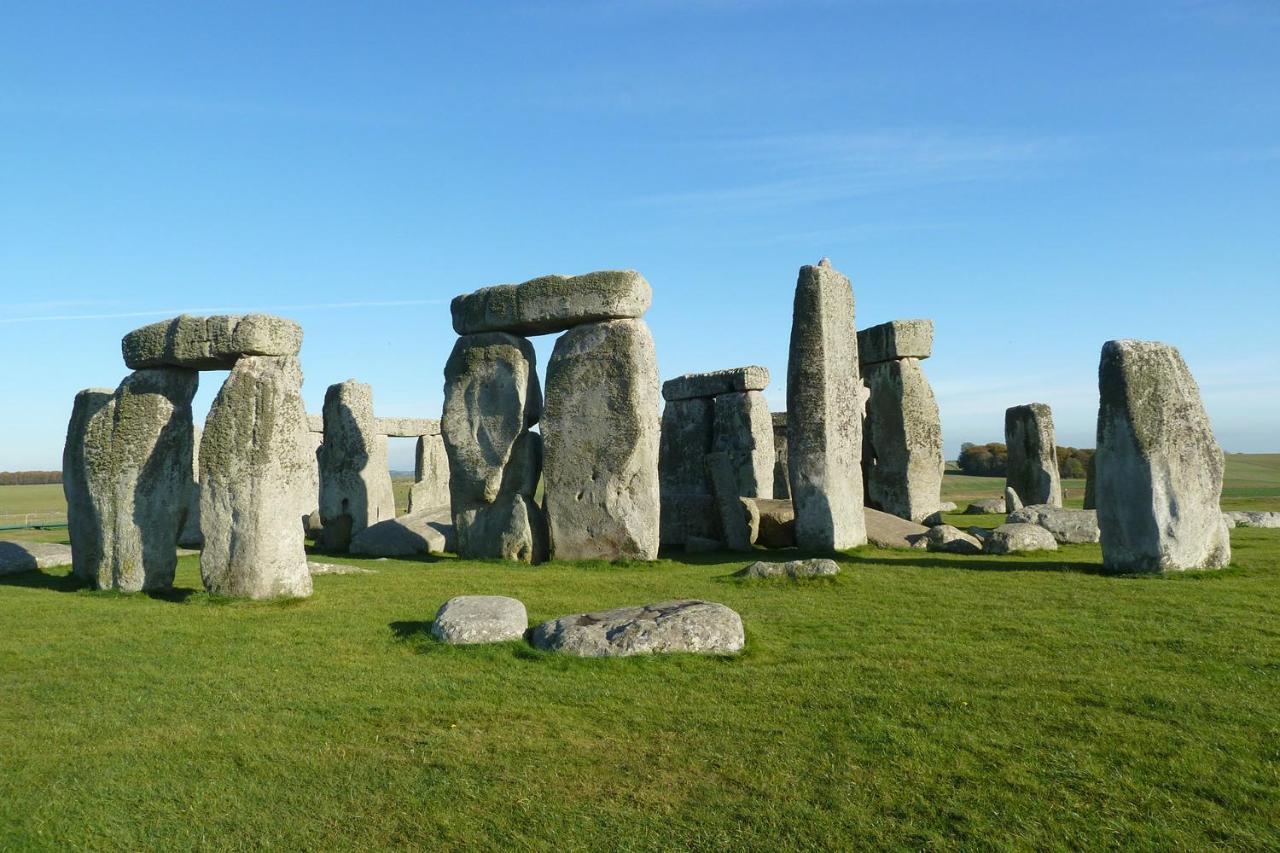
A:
(427, 531)
(473, 619)
(951, 540)
(1068, 526)
(1017, 538)
(684, 625)
(818, 568)
(17, 557)
(888, 531)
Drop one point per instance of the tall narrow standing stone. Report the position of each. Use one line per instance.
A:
(1033, 459)
(1159, 469)
(355, 482)
(190, 536)
(83, 526)
(430, 474)
(824, 422)
(744, 431)
(255, 482)
(137, 457)
(904, 437)
(491, 398)
(601, 430)
(781, 478)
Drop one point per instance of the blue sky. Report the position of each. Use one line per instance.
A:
(1036, 176)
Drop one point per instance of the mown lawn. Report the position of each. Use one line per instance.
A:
(919, 699)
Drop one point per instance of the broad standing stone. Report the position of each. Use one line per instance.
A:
(1033, 459)
(1159, 468)
(552, 303)
(137, 457)
(824, 422)
(904, 438)
(190, 536)
(601, 428)
(491, 398)
(744, 431)
(355, 482)
(83, 526)
(430, 474)
(255, 481)
(687, 434)
(733, 521)
(209, 343)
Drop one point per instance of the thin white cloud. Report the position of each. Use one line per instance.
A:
(173, 312)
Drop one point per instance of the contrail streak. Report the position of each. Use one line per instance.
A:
(173, 312)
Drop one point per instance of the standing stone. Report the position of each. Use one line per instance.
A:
(824, 424)
(137, 458)
(191, 537)
(1090, 493)
(601, 427)
(491, 398)
(255, 481)
(688, 429)
(904, 439)
(430, 474)
(1159, 468)
(1012, 503)
(355, 482)
(1033, 459)
(744, 431)
(733, 520)
(83, 526)
(781, 479)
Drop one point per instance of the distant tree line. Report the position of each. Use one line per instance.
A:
(29, 478)
(992, 460)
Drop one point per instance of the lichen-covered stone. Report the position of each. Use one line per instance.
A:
(885, 530)
(724, 484)
(904, 440)
(425, 531)
(1090, 493)
(255, 481)
(1159, 468)
(951, 540)
(1068, 526)
(83, 526)
(716, 382)
(824, 421)
(744, 431)
(816, 568)
(684, 517)
(1017, 538)
(355, 482)
(1033, 460)
(986, 506)
(430, 474)
(687, 434)
(552, 303)
(471, 619)
(406, 427)
(210, 343)
(601, 431)
(895, 339)
(1012, 503)
(781, 477)
(137, 458)
(190, 535)
(1268, 520)
(686, 625)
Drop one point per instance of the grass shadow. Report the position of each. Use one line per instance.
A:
(991, 564)
(411, 630)
(39, 579)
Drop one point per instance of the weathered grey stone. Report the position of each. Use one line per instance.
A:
(713, 384)
(685, 625)
(737, 535)
(209, 343)
(1012, 503)
(552, 303)
(904, 437)
(744, 431)
(190, 535)
(406, 427)
(430, 474)
(895, 339)
(471, 619)
(255, 481)
(824, 423)
(1253, 519)
(1033, 461)
(1016, 538)
(336, 569)
(951, 540)
(781, 477)
(315, 423)
(947, 506)
(491, 398)
(687, 434)
(1068, 526)
(137, 458)
(312, 523)
(1159, 477)
(1090, 495)
(312, 526)
(355, 482)
(817, 568)
(83, 526)
(601, 430)
(689, 516)
(426, 531)
(889, 531)
(772, 522)
(18, 557)
(702, 545)
(982, 534)
(986, 506)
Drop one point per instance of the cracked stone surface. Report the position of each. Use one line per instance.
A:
(684, 625)
(552, 303)
(210, 343)
(817, 568)
(1017, 538)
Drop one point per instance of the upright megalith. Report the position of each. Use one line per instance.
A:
(824, 422)
(209, 343)
(1158, 479)
(255, 482)
(552, 303)
(1033, 458)
(430, 474)
(904, 461)
(491, 399)
(190, 535)
(744, 432)
(355, 482)
(83, 526)
(137, 463)
(781, 477)
(601, 431)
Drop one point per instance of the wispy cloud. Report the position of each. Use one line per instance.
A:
(173, 312)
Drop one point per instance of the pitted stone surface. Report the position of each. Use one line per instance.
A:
(426, 531)
(986, 506)
(687, 434)
(817, 568)
(685, 517)
(904, 440)
(18, 557)
(724, 483)
(255, 483)
(210, 343)
(1159, 468)
(1016, 538)
(470, 619)
(190, 535)
(600, 473)
(889, 531)
(1033, 459)
(406, 427)
(895, 339)
(1253, 519)
(714, 383)
(685, 625)
(781, 477)
(83, 526)
(824, 420)
(1068, 526)
(430, 474)
(355, 482)
(744, 431)
(952, 540)
(552, 303)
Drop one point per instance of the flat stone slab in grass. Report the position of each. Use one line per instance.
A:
(209, 343)
(336, 569)
(988, 506)
(889, 531)
(552, 303)
(18, 557)
(820, 568)
(1252, 519)
(683, 625)
(1017, 538)
(1068, 526)
(469, 619)
(717, 382)
(427, 532)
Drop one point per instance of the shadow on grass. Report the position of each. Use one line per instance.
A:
(990, 564)
(414, 630)
(39, 579)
